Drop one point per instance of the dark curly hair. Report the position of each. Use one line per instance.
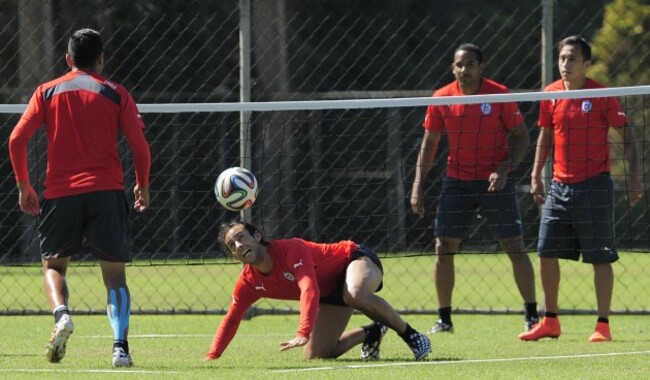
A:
(225, 227)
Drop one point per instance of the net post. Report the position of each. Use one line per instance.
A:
(547, 42)
(547, 64)
(245, 89)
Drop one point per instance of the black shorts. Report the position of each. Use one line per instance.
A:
(578, 219)
(101, 217)
(336, 297)
(462, 200)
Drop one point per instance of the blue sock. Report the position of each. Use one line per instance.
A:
(119, 312)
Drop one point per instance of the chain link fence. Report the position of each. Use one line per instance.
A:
(324, 175)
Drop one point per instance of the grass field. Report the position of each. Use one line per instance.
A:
(484, 282)
(171, 347)
(483, 346)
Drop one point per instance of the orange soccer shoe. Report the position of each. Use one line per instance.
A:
(601, 334)
(547, 328)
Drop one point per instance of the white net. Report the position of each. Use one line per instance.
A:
(328, 170)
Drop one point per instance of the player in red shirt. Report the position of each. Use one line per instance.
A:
(578, 212)
(477, 180)
(83, 114)
(329, 280)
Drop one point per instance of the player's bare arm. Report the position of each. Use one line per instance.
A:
(544, 142)
(634, 185)
(427, 154)
(520, 143)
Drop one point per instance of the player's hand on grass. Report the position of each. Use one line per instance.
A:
(28, 199)
(298, 341)
(209, 357)
(141, 198)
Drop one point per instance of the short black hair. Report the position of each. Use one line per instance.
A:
(585, 48)
(85, 47)
(471, 48)
(225, 227)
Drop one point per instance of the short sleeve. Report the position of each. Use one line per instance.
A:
(615, 114)
(433, 120)
(545, 119)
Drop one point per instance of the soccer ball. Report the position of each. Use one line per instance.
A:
(236, 188)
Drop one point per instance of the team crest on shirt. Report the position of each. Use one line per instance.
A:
(586, 106)
(486, 108)
(289, 276)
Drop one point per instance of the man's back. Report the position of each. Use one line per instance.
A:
(83, 114)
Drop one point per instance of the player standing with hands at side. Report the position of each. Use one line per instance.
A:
(578, 212)
(83, 114)
(477, 179)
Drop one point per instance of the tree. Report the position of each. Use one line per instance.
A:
(620, 50)
(621, 47)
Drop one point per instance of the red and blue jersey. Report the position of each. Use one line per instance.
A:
(83, 113)
(580, 132)
(477, 134)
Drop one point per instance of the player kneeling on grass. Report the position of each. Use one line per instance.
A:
(329, 280)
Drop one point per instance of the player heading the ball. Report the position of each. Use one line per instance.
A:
(329, 280)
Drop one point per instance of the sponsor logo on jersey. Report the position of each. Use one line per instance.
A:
(586, 106)
(260, 288)
(298, 264)
(110, 84)
(486, 108)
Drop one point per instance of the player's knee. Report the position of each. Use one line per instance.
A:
(446, 248)
(358, 298)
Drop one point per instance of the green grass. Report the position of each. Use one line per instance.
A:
(484, 282)
(171, 347)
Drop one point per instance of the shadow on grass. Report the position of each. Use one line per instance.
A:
(19, 355)
(392, 360)
(354, 362)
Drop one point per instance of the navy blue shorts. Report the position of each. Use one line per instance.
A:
(101, 217)
(579, 218)
(336, 298)
(462, 200)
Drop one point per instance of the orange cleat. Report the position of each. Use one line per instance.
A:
(547, 328)
(601, 334)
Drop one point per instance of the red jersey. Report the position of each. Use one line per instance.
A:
(580, 127)
(477, 133)
(302, 270)
(83, 114)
